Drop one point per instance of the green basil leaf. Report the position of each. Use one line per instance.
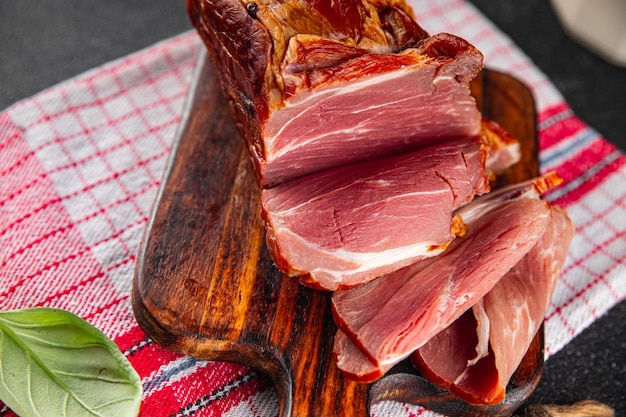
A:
(53, 363)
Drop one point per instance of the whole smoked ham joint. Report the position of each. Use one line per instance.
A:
(375, 166)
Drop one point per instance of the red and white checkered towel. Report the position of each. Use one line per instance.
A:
(80, 164)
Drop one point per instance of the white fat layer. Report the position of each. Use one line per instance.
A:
(486, 202)
(482, 330)
(364, 261)
(312, 99)
(389, 200)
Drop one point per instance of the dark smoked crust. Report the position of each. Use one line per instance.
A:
(240, 49)
(343, 16)
(449, 48)
(401, 28)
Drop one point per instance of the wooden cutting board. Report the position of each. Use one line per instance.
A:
(205, 284)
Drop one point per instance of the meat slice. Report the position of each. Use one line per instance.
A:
(504, 150)
(337, 117)
(345, 226)
(388, 318)
(308, 93)
(476, 356)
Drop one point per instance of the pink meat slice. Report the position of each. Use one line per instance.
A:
(340, 114)
(342, 227)
(476, 365)
(388, 318)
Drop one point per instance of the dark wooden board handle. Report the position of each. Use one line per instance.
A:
(205, 284)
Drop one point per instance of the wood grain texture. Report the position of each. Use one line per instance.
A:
(205, 284)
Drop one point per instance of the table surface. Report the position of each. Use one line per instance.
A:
(43, 43)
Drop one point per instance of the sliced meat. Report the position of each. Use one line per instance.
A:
(457, 345)
(307, 92)
(535, 277)
(342, 227)
(337, 116)
(390, 317)
(504, 150)
(476, 365)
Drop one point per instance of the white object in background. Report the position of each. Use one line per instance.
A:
(600, 25)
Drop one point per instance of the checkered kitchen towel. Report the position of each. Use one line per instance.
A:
(80, 164)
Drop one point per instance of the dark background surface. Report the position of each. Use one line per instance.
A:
(45, 42)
